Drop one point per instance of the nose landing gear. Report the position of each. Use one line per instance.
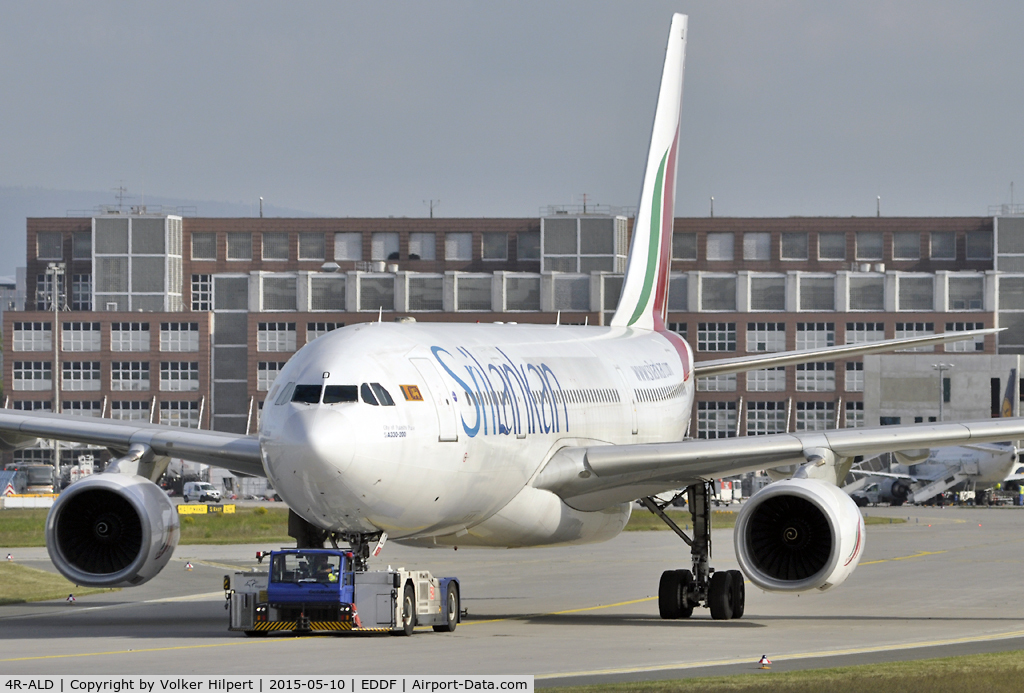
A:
(681, 590)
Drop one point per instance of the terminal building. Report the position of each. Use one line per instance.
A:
(185, 320)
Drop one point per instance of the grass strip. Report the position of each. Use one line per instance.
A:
(989, 673)
(19, 584)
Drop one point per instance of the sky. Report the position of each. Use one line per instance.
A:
(501, 108)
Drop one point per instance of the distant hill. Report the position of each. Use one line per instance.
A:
(17, 204)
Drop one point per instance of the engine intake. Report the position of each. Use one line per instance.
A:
(799, 534)
(111, 530)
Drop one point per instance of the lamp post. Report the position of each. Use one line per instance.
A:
(55, 271)
(942, 368)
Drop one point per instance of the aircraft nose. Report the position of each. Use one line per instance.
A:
(311, 448)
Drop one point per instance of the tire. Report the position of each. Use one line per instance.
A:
(669, 602)
(685, 580)
(720, 595)
(408, 609)
(451, 610)
(739, 594)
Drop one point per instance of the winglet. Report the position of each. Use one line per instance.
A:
(644, 296)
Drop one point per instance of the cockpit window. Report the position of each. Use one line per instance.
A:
(334, 394)
(382, 395)
(308, 394)
(286, 394)
(367, 394)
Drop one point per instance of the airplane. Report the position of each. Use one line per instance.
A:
(505, 435)
(920, 475)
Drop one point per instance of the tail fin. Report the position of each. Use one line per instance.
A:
(1009, 398)
(645, 290)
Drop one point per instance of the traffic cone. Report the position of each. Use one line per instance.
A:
(765, 662)
(70, 599)
(188, 565)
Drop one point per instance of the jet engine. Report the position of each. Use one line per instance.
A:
(896, 491)
(799, 534)
(111, 530)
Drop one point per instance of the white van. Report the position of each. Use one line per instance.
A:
(201, 491)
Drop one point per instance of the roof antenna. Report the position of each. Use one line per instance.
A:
(878, 206)
(380, 314)
(712, 206)
(558, 318)
(586, 320)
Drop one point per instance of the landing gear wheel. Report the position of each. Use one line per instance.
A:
(408, 610)
(685, 585)
(451, 610)
(739, 594)
(720, 595)
(669, 597)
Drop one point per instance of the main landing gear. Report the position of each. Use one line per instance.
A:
(681, 590)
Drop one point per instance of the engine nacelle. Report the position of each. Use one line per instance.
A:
(799, 534)
(112, 530)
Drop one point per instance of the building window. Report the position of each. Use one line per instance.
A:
(495, 246)
(80, 376)
(767, 380)
(854, 415)
(45, 296)
(764, 418)
(832, 245)
(906, 245)
(717, 383)
(943, 245)
(32, 375)
(867, 293)
(968, 345)
(858, 332)
(718, 293)
(275, 246)
(915, 329)
(916, 293)
(521, 293)
(82, 408)
(129, 336)
(80, 336)
(979, 245)
(179, 376)
(32, 336)
(426, 293)
(377, 293)
(202, 292)
(817, 293)
(319, 329)
(854, 376)
(684, 246)
(528, 245)
(474, 293)
(239, 245)
(757, 246)
(275, 336)
(384, 245)
(766, 336)
(815, 416)
(794, 246)
(30, 405)
(716, 419)
(130, 411)
(49, 245)
(815, 335)
(815, 377)
(327, 292)
(279, 293)
(204, 246)
(423, 246)
(179, 336)
(966, 293)
(266, 373)
(348, 246)
(767, 293)
(129, 376)
(678, 294)
(81, 292)
(716, 336)
(869, 245)
(678, 327)
(720, 246)
(458, 246)
(311, 245)
(181, 414)
(81, 245)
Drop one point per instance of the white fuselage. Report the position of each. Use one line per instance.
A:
(985, 466)
(478, 410)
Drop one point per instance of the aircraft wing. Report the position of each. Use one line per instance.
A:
(594, 477)
(741, 364)
(234, 452)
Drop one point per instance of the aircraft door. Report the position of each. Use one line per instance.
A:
(630, 396)
(447, 421)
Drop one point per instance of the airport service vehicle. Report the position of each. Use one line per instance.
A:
(38, 477)
(201, 491)
(507, 435)
(330, 591)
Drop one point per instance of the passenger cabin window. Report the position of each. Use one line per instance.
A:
(308, 394)
(333, 394)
